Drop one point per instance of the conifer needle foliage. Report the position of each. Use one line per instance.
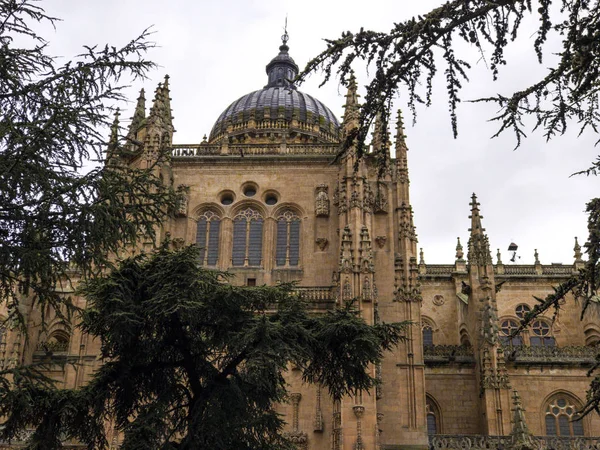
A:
(61, 208)
(407, 58)
(192, 362)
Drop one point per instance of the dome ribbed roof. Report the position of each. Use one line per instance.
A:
(278, 105)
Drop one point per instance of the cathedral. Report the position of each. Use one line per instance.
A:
(266, 198)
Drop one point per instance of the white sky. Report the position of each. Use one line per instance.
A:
(216, 51)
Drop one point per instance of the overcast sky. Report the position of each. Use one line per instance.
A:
(216, 51)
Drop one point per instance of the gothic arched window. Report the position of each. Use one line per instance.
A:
(559, 416)
(433, 416)
(247, 238)
(542, 334)
(287, 251)
(507, 327)
(592, 336)
(58, 341)
(427, 335)
(207, 238)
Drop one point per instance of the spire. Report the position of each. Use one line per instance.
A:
(156, 104)
(401, 147)
(114, 130)
(352, 107)
(459, 250)
(113, 141)
(522, 439)
(479, 247)
(282, 70)
(380, 136)
(160, 113)
(112, 156)
(166, 98)
(476, 228)
(577, 250)
(139, 116)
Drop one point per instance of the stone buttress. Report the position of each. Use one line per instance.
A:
(482, 321)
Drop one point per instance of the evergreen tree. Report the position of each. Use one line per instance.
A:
(193, 362)
(58, 210)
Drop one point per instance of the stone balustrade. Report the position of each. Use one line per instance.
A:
(317, 297)
(53, 346)
(191, 151)
(507, 270)
(443, 354)
(239, 150)
(478, 442)
(572, 354)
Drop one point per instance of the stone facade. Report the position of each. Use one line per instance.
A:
(268, 200)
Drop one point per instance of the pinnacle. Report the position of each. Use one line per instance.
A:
(459, 249)
(475, 217)
(114, 132)
(400, 135)
(577, 250)
(352, 93)
(139, 115)
(165, 85)
(351, 108)
(379, 140)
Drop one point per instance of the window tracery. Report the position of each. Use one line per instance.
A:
(507, 328)
(559, 417)
(207, 238)
(541, 334)
(247, 238)
(433, 416)
(287, 251)
(522, 310)
(427, 335)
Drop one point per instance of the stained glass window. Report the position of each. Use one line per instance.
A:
(207, 238)
(287, 251)
(247, 238)
(560, 418)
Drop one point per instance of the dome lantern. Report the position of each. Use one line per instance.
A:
(282, 70)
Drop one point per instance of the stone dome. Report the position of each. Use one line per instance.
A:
(277, 109)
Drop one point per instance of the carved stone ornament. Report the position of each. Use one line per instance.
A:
(322, 243)
(381, 200)
(347, 292)
(339, 198)
(355, 200)
(380, 241)
(322, 201)
(369, 197)
(378, 390)
(183, 199)
(367, 293)
(439, 300)
(300, 438)
(318, 422)
(359, 411)
(408, 294)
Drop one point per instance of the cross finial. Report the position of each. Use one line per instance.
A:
(285, 38)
